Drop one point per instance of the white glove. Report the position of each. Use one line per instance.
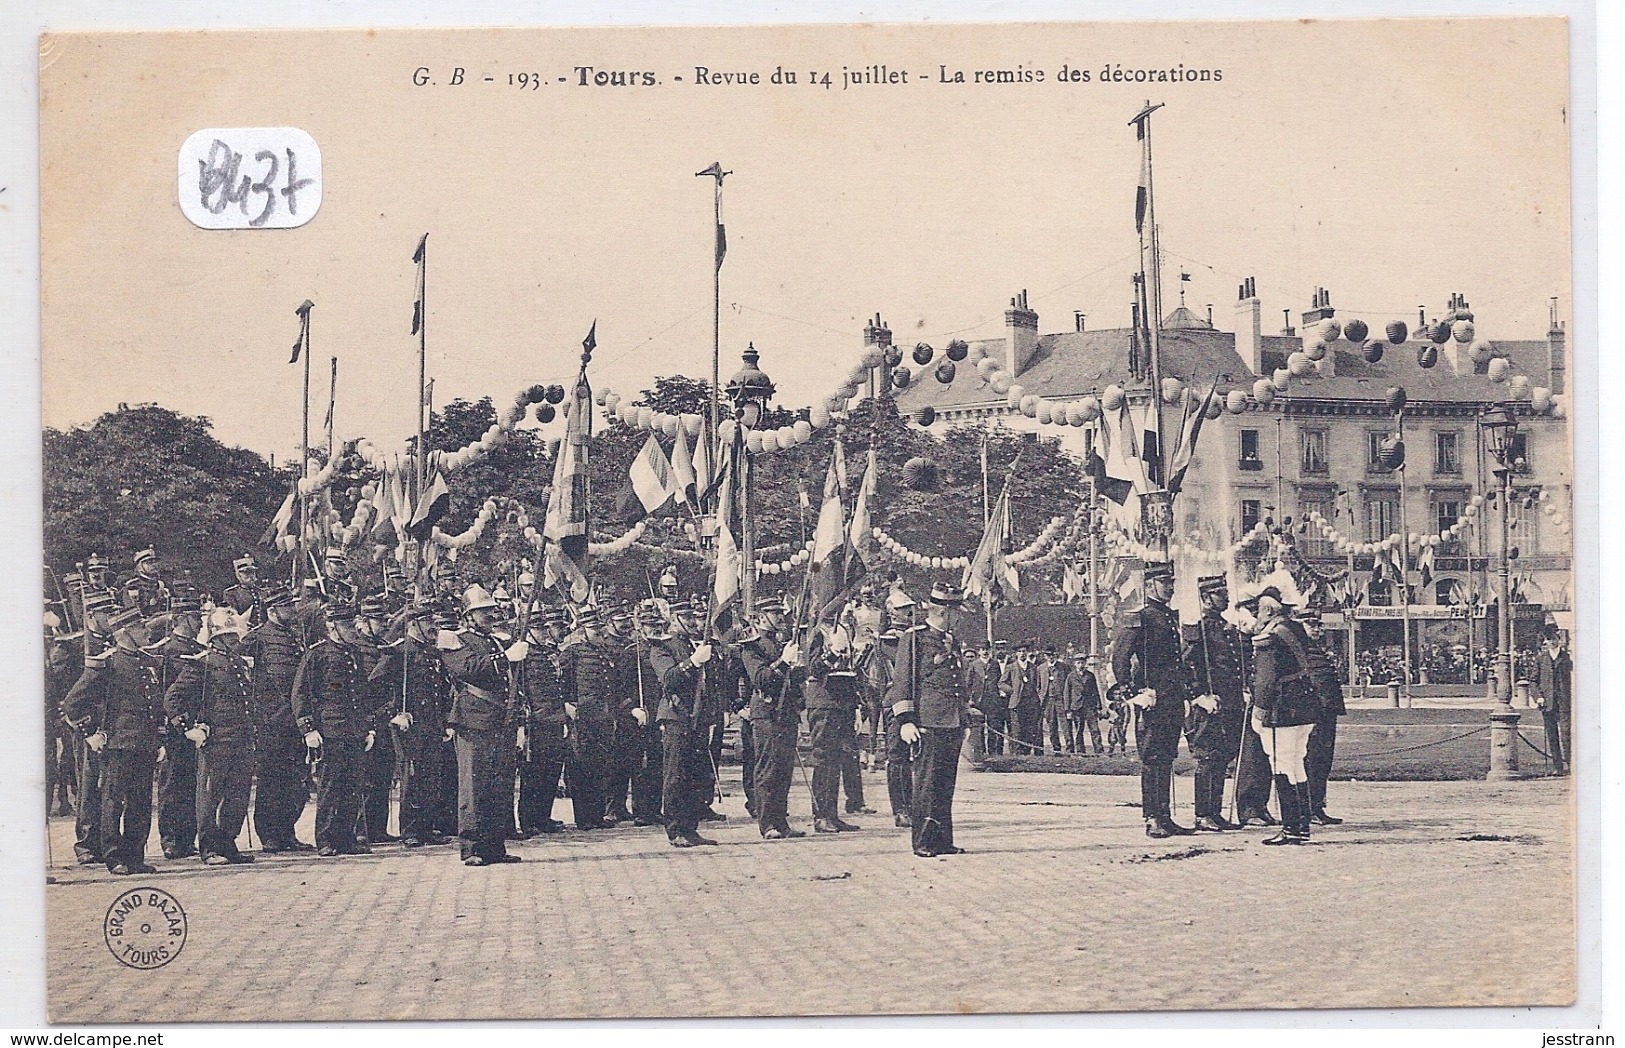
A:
(641, 715)
(1210, 703)
(198, 733)
(450, 734)
(97, 741)
(1145, 698)
(402, 721)
(519, 737)
(701, 656)
(163, 754)
(910, 732)
(570, 710)
(313, 740)
(517, 651)
(791, 656)
(372, 737)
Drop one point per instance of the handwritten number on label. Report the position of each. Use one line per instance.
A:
(295, 184)
(220, 183)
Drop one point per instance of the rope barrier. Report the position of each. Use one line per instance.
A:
(1420, 746)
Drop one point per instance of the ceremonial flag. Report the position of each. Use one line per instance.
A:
(428, 393)
(1142, 192)
(1123, 461)
(861, 534)
(1189, 431)
(283, 517)
(830, 534)
(566, 524)
(1071, 583)
(432, 506)
(419, 256)
(682, 470)
(651, 475)
(1424, 564)
(332, 401)
(730, 561)
(989, 575)
(303, 312)
(1115, 488)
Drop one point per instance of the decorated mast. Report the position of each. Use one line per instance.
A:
(302, 347)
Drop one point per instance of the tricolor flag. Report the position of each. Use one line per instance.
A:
(861, 534)
(651, 476)
(730, 565)
(283, 517)
(566, 525)
(420, 256)
(431, 507)
(989, 575)
(829, 539)
(1189, 431)
(682, 470)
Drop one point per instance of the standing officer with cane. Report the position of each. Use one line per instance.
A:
(1147, 662)
(1213, 650)
(927, 698)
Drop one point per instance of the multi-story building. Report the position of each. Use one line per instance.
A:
(1316, 447)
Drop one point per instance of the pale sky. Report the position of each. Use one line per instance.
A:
(1392, 162)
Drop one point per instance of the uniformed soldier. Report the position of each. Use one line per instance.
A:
(97, 569)
(246, 596)
(274, 653)
(547, 735)
(177, 773)
(332, 707)
(1323, 740)
(411, 681)
(771, 671)
(589, 682)
(310, 613)
(1146, 659)
(643, 691)
(99, 610)
(377, 630)
(928, 700)
(145, 590)
(117, 707)
(625, 743)
(341, 582)
(686, 713)
(486, 718)
(868, 623)
(899, 754)
(211, 703)
(832, 712)
(63, 664)
(1214, 651)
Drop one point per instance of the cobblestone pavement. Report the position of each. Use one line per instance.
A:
(1062, 904)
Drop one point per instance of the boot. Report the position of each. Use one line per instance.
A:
(1206, 809)
(1303, 813)
(1162, 804)
(1288, 794)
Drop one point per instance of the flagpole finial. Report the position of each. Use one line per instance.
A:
(304, 308)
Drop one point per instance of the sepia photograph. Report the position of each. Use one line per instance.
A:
(809, 520)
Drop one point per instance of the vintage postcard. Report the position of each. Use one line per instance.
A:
(808, 520)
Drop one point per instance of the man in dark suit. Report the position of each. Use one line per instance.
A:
(1019, 685)
(1554, 684)
(1082, 697)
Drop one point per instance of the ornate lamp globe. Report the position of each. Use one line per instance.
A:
(750, 389)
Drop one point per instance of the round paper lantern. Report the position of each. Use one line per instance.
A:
(1372, 351)
(1330, 330)
(1520, 386)
(1001, 383)
(1500, 369)
(1280, 379)
(1077, 415)
(786, 436)
(1215, 407)
(922, 354)
(726, 430)
(986, 366)
(1356, 331)
(545, 413)
(1264, 391)
(693, 423)
(1089, 408)
(920, 473)
(1462, 331)
(1315, 349)
(1480, 352)
(1540, 398)
(893, 356)
(803, 430)
(1046, 414)
(645, 417)
(1395, 398)
(1235, 401)
(945, 372)
(901, 378)
(1440, 332)
(554, 394)
(1028, 404)
(958, 349)
(1299, 364)
(872, 357)
(1015, 393)
(1427, 356)
(925, 416)
(1112, 397)
(753, 441)
(1397, 332)
(1171, 390)
(669, 425)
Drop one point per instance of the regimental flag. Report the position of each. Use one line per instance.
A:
(1115, 488)
(1189, 431)
(303, 312)
(566, 525)
(860, 536)
(704, 469)
(420, 256)
(283, 517)
(431, 507)
(730, 565)
(651, 476)
(829, 539)
(989, 575)
(1072, 584)
(682, 470)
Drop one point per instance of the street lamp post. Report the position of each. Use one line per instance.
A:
(750, 389)
(1502, 426)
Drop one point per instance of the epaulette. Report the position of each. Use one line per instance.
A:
(446, 640)
(916, 629)
(196, 655)
(96, 662)
(1130, 618)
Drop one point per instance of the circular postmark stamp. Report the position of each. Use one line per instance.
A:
(145, 928)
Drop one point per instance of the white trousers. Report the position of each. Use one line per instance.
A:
(1286, 748)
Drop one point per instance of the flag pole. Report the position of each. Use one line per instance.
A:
(719, 247)
(987, 518)
(1153, 276)
(421, 322)
(304, 441)
(332, 407)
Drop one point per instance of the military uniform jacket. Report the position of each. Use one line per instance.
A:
(148, 594)
(330, 693)
(1217, 656)
(587, 673)
(1284, 689)
(774, 687)
(119, 694)
(831, 683)
(245, 600)
(174, 651)
(214, 689)
(1146, 653)
(411, 678)
(275, 653)
(927, 686)
(1323, 668)
(542, 688)
(635, 681)
(479, 679)
(683, 695)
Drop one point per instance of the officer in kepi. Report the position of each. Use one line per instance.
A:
(1149, 666)
(927, 698)
(484, 713)
(1214, 652)
(145, 590)
(244, 595)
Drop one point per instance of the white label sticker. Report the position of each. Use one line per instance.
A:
(250, 178)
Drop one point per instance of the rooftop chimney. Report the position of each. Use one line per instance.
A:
(1288, 330)
(1078, 317)
(1249, 326)
(876, 333)
(1556, 353)
(1021, 332)
(1320, 308)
